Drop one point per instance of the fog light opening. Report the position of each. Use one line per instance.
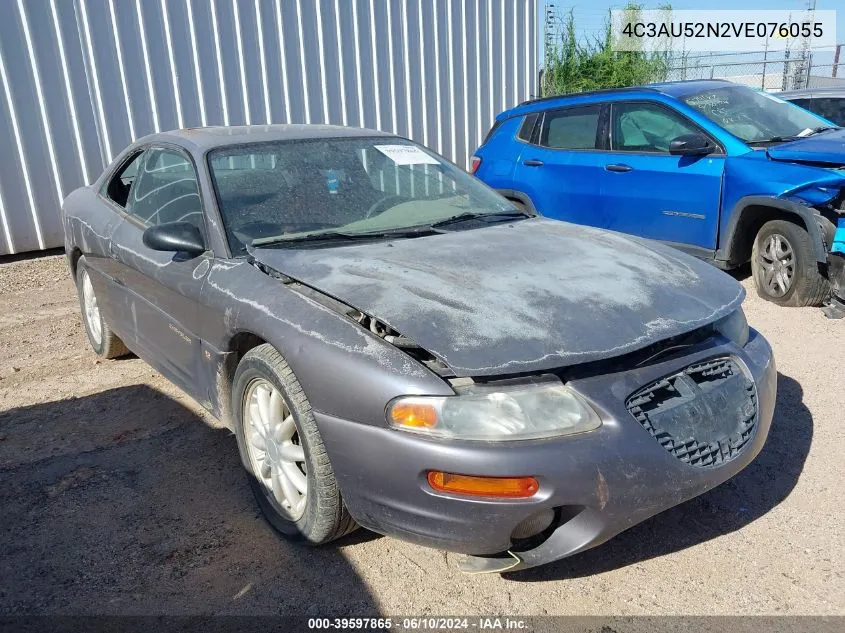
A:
(544, 524)
(533, 525)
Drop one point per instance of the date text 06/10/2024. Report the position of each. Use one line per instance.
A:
(420, 624)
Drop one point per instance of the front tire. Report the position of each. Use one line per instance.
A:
(784, 267)
(103, 341)
(283, 453)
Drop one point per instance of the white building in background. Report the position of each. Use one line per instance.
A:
(80, 79)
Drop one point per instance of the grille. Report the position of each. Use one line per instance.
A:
(704, 415)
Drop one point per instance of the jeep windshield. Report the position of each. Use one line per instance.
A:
(755, 117)
(338, 189)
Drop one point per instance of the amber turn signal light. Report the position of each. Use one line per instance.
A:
(501, 487)
(413, 415)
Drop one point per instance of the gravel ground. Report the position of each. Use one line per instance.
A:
(119, 496)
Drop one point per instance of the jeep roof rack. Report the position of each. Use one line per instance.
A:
(659, 87)
(589, 93)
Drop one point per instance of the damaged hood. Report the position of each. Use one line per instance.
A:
(528, 296)
(826, 148)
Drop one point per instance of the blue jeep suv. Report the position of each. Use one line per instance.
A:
(722, 171)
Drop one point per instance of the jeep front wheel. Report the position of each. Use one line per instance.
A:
(784, 266)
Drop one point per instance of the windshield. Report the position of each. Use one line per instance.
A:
(754, 116)
(295, 190)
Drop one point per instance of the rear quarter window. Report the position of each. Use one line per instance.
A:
(118, 186)
(526, 130)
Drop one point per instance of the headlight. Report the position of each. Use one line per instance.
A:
(734, 327)
(542, 408)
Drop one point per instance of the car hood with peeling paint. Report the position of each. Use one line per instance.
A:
(525, 296)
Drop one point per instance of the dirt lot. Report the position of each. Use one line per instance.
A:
(119, 496)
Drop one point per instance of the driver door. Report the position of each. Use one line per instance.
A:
(647, 191)
(161, 290)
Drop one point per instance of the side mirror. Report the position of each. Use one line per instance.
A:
(691, 145)
(177, 237)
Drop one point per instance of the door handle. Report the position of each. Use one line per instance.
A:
(618, 168)
(112, 250)
(532, 162)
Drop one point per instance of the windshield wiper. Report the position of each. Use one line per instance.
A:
(774, 139)
(410, 231)
(484, 217)
(824, 128)
(342, 236)
(794, 137)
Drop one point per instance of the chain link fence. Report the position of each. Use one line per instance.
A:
(772, 71)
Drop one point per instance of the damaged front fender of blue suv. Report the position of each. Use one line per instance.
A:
(719, 170)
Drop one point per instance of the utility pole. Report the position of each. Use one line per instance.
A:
(765, 62)
(802, 73)
(548, 47)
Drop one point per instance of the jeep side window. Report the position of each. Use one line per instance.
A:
(571, 128)
(645, 127)
(117, 189)
(526, 130)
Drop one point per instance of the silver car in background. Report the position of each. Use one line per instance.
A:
(826, 102)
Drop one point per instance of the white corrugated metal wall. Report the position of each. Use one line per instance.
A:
(82, 78)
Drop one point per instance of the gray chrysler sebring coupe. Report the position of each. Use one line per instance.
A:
(396, 346)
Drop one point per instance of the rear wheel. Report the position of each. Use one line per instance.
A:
(283, 452)
(103, 341)
(784, 267)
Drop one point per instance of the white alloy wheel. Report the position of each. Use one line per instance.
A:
(275, 452)
(91, 310)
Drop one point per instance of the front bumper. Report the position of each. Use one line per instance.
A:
(599, 483)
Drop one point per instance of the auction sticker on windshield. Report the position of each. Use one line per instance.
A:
(407, 155)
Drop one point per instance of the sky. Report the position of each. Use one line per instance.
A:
(591, 14)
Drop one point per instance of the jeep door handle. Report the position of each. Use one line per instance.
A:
(532, 162)
(618, 168)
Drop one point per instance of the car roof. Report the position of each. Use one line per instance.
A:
(200, 139)
(814, 92)
(690, 86)
(668, 88)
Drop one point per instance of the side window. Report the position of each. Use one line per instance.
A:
(804, 103)
(646, 127)
(526, 130)
(166, 190)
(571, 128)
(117, 189)
(831, 108)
